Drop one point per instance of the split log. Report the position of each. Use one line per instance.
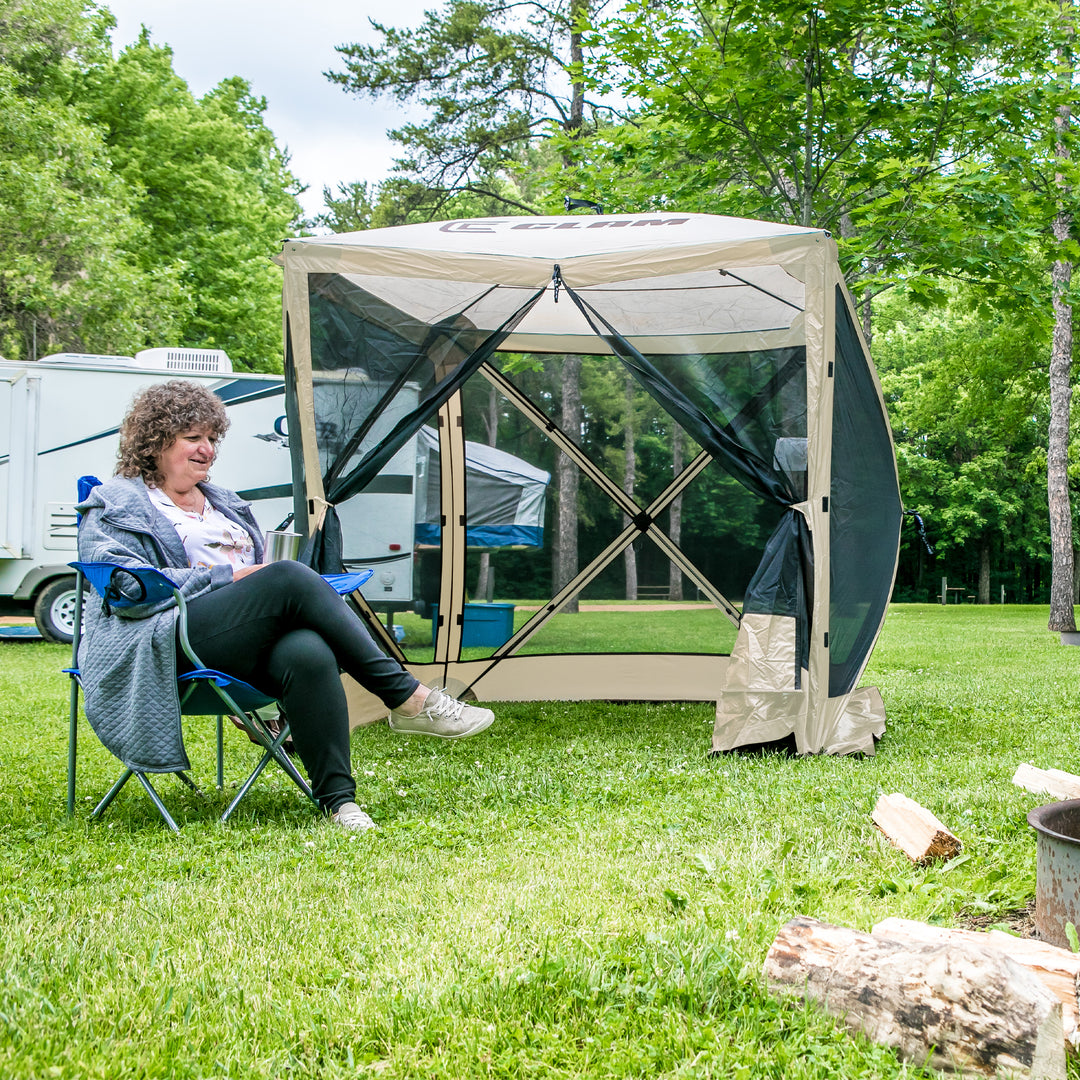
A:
(914, 830)
(1052, 782)
(1057, 969)
(947, 1006)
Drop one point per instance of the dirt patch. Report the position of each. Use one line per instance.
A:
(1019, 921)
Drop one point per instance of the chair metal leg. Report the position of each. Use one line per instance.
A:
(273, 751)
(289, 768)
(247, 785)
(220, 751)
(102, 806)
(156, 800)
(191, 783)
(73, 735)
(125, 776)
(73, 674)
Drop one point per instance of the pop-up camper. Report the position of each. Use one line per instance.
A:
(699, 390)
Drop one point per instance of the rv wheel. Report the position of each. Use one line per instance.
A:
(54, 610)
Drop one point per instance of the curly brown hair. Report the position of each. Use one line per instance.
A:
(157, 416)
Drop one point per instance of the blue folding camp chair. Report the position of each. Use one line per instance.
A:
(203, 691)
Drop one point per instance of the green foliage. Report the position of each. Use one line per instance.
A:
(131, 214)
(966, 393)
(69, 277)
(872, 120)
(494, 80)
(213, 190)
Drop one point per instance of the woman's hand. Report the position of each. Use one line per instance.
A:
(243, 571)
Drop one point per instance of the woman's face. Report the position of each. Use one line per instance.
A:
(186, 461)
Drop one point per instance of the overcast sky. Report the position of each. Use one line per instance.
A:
(282, 47)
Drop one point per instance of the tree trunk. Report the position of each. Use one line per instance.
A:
(1062, 616)
(491, 430)
(629, 478)
(675, 577)
(567, 476)
(984, 572)
(578, 9)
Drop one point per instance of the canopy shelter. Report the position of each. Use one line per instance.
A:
(699, 391)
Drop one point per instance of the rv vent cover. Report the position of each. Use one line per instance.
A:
(208, 361)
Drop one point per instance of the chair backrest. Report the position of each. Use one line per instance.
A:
(86, 484)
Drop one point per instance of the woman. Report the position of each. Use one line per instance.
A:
(278, 626)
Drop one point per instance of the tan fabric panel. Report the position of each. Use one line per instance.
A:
(658, 346)
(763, 657)
(570, 236)
(745, 717)
(317, 255)
(605, 677)
(813, 737)
(854, 720)
(598, 677)
(296, 308)
(758, 701)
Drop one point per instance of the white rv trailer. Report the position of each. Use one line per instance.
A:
(59, 420)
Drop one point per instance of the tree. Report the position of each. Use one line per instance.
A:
(871, 120)
(348, 209)
(495, 79)
(1062, 616)
(967, 399)
(212, 189)
(69, 279)
(675, 577)
(629, 478)
(568, 479)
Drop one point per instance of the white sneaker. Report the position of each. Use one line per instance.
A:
(442, 716)
(350, 816)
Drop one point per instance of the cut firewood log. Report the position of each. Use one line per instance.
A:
(1052, 782)
(948, 1006)
(1057, 969)
(914, 830)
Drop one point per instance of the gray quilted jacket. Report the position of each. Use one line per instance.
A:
(128, 659)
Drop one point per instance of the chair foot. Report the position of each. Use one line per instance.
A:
(102, 806)
(156, 800)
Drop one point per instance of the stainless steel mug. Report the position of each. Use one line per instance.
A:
(280, 544)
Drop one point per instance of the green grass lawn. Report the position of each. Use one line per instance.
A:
(640, 627)
(579, 891)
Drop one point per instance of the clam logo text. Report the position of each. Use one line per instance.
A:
(573, 223)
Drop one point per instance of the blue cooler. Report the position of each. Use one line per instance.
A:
(486, 625)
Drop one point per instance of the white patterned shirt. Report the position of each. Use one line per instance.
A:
(209, 538)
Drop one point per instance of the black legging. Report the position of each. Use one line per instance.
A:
(285, 631)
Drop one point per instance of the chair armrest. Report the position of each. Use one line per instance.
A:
(113, 583)
(344, 584)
